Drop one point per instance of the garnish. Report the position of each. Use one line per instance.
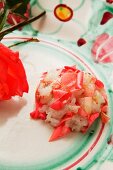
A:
(109, 1)
(15, 13)
(106, 17)
(81, 42)
(13, 79)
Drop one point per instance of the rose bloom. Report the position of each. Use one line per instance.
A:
(13, 79)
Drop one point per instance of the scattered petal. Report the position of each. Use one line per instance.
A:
(104, 117)
(59, 132)
(57, 105)
(106, 17)
(81, 42)
(109, 1)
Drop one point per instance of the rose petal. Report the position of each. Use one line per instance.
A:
(57, 94)
(104, 118)
(92, 118)
(106, 17)
(59, 132)
(57, 105)
(12, 73)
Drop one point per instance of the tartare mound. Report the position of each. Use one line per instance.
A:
(70, 100)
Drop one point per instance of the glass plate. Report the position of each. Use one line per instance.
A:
(24, 142)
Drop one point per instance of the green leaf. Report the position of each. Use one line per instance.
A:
(21, 8)
(3, 17)
(16, 6)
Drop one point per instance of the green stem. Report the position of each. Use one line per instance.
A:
(26, 41)
(21, 24)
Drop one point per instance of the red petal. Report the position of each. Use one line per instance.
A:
(67, 78)
(104, 118)
(42, 116)
(65, 97)
(4, 92)
(61, 95)
(77, 92)
(72, 68)
(106, 17)
(13, 86)
(68, 116)
(3, 71)
(59, 132)
(1, 5)
(82, 112)
(65, 130)
(14, 19)
(79, 82)
(13, 71)
(84, 129)
(57, 94)
(81, 42)
(99, 84)
(34, 115)
(109, 1)
(92, 118)
(56, 133)
(57, 105)
(104, 108)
